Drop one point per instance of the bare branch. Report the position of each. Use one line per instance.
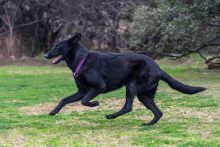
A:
(174, 56)
(29, 23)
(196, 50)
(202, 56)
(22, 25)
(214, 25)
(211, 59)
(212, 44)
(15, 12)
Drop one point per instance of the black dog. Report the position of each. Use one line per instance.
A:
(97, 73)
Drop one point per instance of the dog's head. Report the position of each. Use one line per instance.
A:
(62, 49)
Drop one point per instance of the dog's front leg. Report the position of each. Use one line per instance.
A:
(70, 99)
(89, 96)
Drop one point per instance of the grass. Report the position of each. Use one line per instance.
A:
(28, 93)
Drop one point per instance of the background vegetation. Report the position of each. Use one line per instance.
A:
(174, 28)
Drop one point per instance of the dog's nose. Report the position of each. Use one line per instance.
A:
(46, 56)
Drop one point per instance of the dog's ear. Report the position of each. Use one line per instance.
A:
(76, 38)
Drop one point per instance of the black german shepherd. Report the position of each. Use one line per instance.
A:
(97, 73)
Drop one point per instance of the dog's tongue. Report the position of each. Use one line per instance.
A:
(57, 59)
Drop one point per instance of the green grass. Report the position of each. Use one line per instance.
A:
(27, 93)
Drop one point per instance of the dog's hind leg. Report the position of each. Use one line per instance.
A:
(70, 99)
(130, 94)
(148, 100)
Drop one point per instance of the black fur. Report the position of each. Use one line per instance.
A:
(104, 72)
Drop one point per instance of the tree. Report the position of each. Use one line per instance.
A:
(15, 15)
(178, 28)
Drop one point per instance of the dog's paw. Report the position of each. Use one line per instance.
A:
(147, 124)
(110, 116)
(53, 112)
(90, 104)
(95, 103)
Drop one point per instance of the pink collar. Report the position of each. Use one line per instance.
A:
(77, 70)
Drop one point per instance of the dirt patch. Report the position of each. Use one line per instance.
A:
(213, 90)
(46, 108)
(9, 100)
(201, 130)
(106, 104)
(12, 138)
(171, 113)
(203, 115)
(104, 139)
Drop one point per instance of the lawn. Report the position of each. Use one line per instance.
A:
(28, 93)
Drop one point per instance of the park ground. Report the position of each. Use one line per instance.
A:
(28, 93)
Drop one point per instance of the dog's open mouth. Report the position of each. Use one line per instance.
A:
(57, 59)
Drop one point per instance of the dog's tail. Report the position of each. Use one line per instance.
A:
(180, 86)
